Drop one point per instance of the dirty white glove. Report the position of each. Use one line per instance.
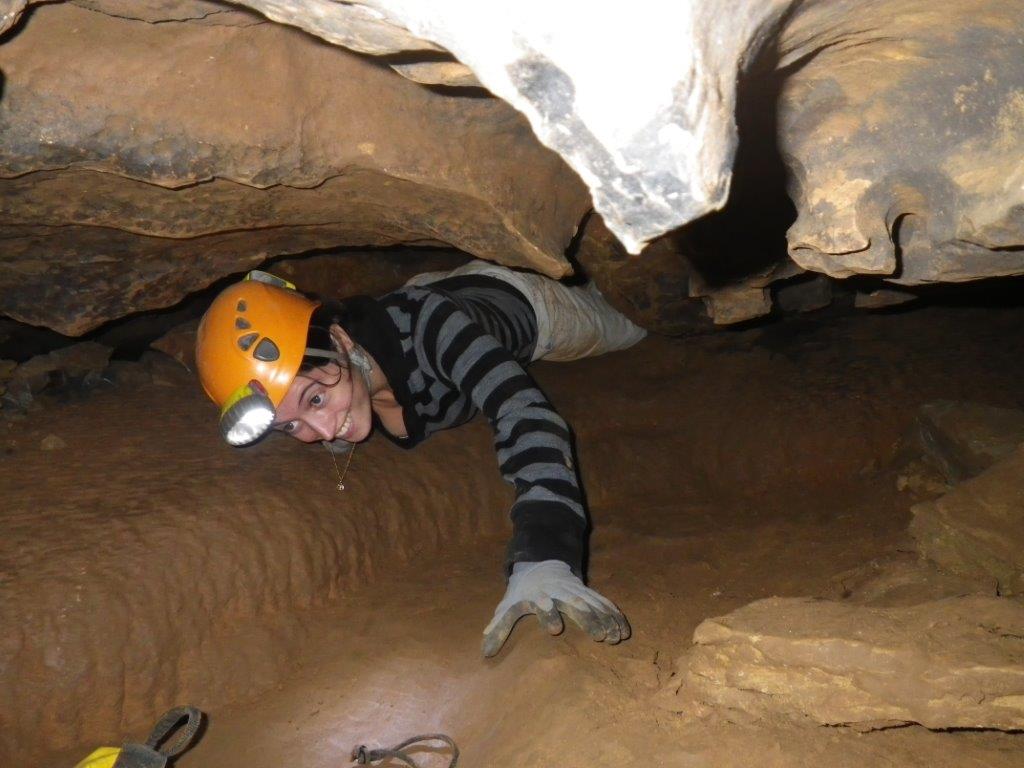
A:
(550, 589)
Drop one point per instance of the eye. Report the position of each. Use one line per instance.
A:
(289, 427)
(317, 400)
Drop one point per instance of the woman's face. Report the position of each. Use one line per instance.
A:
(326, 403)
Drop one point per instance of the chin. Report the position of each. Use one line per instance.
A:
(361, 432)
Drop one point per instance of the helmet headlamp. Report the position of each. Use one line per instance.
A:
(247, 415)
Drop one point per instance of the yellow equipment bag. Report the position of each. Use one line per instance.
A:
(104, 757)
(159, 748)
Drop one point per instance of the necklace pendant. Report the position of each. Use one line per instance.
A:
(340, 472)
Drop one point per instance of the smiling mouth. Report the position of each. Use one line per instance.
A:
(346, 427)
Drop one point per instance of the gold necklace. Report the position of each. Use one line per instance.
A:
(341, 473)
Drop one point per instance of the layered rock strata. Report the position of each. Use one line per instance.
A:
(952, 663)
(977, 529)
(143, 161)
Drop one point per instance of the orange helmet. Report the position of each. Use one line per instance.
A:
(249, 345)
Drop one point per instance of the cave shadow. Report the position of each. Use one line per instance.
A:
(748, 236)
(16, 28)
(131, 335)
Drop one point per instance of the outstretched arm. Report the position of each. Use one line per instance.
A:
(534, 452)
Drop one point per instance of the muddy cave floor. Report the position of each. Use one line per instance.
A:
(719, 470)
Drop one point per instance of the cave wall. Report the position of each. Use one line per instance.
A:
(142, 161)
(148, 148)
(902, 127)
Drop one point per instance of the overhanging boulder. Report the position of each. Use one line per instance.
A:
(141, 161)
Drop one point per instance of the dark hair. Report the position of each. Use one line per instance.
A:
(318, 336)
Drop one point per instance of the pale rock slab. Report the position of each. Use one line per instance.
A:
(953, 663)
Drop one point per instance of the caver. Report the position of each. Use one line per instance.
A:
(424, 358)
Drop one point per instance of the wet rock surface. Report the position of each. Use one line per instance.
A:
(977, 529)
(954, 663)
(180, 568)
(146, 563)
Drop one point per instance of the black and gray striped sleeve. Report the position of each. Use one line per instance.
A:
(532, 441)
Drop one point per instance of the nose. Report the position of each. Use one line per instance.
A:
(321, 423)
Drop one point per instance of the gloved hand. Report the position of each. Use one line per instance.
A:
(549, 589)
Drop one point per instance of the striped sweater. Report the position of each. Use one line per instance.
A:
(458, 347)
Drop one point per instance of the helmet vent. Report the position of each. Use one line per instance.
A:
(266, 351)
(242, 324)
(247, 341)
(241, 305)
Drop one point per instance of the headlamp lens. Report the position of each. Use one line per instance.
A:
(247, 415)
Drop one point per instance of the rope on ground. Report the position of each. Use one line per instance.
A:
(361, 755)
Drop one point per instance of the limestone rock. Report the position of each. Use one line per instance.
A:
(448, 73)
(654, 136)
(977, 529)
(652, 289)
(10, 12)
(140, 162)
(665, 289)
(364, 272)
(731, 305)
(953, 663)
(180, 344)
(882, 298)
(901, 125)
(79, 364)
(902, 580)
(128, 373)
(162, 11)
(964, 439)
(651, 130)
(805, 294)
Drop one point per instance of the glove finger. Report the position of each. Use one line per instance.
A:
(499, 613)
(550, 619)
(498, 630)
(613, 625)
(625, 629)
(594, 598)
(618, 626)
(613, 634)
(585, 618)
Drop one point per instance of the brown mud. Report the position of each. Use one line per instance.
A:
(146, 565)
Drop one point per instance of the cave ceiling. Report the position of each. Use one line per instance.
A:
(151, 147)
